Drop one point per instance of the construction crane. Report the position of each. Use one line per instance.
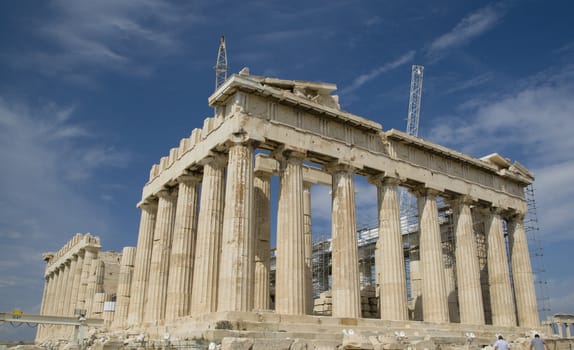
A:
(408, 210)
(415, 100)
(221, 66)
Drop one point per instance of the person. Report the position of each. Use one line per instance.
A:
(501, 344)
(537, 343)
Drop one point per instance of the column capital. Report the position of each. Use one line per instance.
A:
(148, 204)
(168, 194)
(423, 191)
(385, 180)
(338, 167)
(189, 179)
(284, 152)
(215, 159)
(515, 215)
(462, 199)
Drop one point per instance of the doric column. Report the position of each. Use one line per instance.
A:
(124, 283)
(290, 260)
(467, 268)
(40, 329)
(183, 248)
(76, 284)
(524, 292)
(389, 260)
(98, 287)
(501, 301)
(236, 274)
(159, 267)
(90, 254)
(71, 273)
(345, 264)
(261, 201)
(435, 299)
(209, 229)
(63, 288)
(142, 263)
(51, 294)
(308, 234)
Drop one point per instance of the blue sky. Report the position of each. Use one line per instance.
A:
(92, 93)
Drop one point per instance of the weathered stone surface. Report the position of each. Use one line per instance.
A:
(236, 343)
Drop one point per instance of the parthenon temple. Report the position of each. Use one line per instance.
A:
(202, 266)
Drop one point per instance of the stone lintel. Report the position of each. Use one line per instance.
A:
(265, 164)
(242, 83)
(87, 242)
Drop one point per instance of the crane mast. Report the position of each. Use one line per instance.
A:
(221, 65)
(408, 203)
(415, 100)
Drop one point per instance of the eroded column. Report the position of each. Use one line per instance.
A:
(159, 267)
(467, 268)
(183, 248)
(209, 230)
(345, 265)
(501, 301)
(434, 297)
(124, 283)
(308, 234)
(390, 263)
(524, 292)
(290, 290)
(236, 274)
(90, 254)
(77, 282)
(142, 262)
(262, 193)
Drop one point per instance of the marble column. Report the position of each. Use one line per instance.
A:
(161, 251)
(262, 194)
(209, 230)
(90, 254)
(568, 333)
(471, 307)
(50, 296)
(68, 305)
(95, 287)
(308, 234)
(390, 263)
(290, 293)
(142, 263)
(501, 301)
(236, 275)
(77, 280)
(63, 287)
(524, 292)
(124, 283)
(434, 297)
(345, 263)
(183, 248)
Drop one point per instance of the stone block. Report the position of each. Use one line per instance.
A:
(269, 343)
(229, 343)
(300, 344)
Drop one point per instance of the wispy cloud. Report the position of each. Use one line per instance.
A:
(468, 28)
(365, 78)
(119, 36)
(46, 156)
(469, 83)
(532, 125)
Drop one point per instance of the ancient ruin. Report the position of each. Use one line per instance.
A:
(201, 269)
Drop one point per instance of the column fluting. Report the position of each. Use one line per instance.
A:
(524, 292)
(501, 301)
(261, 195)
(209, 230)
(345, 264)
(390, 263)
(238, 241)
(142, 263)
(290, 260)
(471, 307)
(161, 251)
(434, 297)
(183, 248)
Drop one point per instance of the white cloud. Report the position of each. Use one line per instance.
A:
(44, 200)
(467, 29)
(532, 125)
(364, 78)
(82, 37)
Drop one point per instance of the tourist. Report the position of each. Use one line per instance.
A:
(501, 344)
(537, 343)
